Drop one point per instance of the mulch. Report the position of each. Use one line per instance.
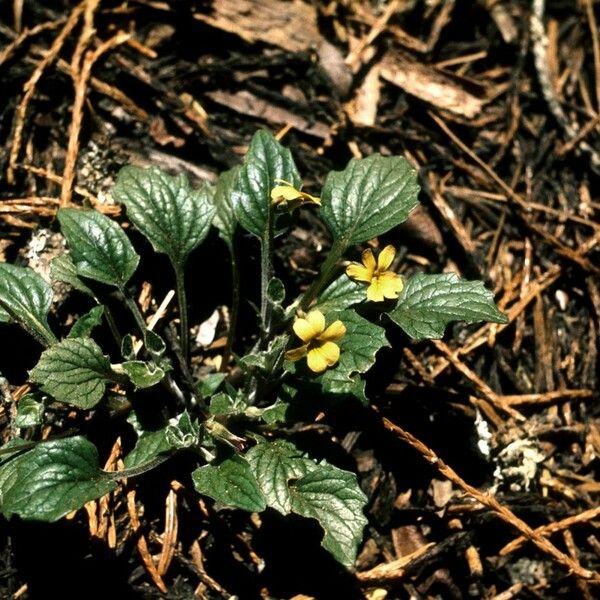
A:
(480, 452)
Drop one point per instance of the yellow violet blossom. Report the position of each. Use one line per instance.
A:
(319, 347)
(286, 193)
(383, 283)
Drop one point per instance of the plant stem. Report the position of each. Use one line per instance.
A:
(110, 320)
(183, 313)
(266, 274)
(135, 311)
(139, 470)
(235, 307)
(325, 275)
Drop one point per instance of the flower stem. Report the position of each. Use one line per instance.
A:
(183, 314)
(235, 307)
(325, 275)
(266, 274)
(135, 311)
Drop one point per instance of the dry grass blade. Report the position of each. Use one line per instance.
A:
(490, 501)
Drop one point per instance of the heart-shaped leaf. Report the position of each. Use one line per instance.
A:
(74, 371)
(231, 482)
(369, 197)
(428, 303)
(266, 162)
(27, 298)
(166, 209)
(100, 250)
(292, 482)
(334, 499)
(54, 478)
(274, 464)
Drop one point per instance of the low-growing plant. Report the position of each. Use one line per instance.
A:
(234, 421)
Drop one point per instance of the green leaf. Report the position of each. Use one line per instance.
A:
(266, 162)
(274, 464)
(230, 482)
(334, 499)
(428, 303)
(210, 384)
(225, 220)
(154, 343)
(358, 348)
(224, 404)
(100, 250)
(53, 479)
(183, 432)
(128, 347)
(149, 445)
(276, 413)
(369, 197)
(141, 373)
(291, 482)
(166, 209)
(341, 294)
(74, 371)
(62, 269)
(30, 411)
(4, 316)
(84, 326)
(27, 298)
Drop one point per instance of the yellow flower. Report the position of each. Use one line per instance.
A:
(318, 347)
(383, 284)
(287, 194)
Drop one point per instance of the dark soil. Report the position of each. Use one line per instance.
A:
(502, 122)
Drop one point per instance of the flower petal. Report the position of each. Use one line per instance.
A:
(390, 284)
(369, 260)
(334, 332)
(296, 353)
(308, 329)
(359, 272)
(374, 291)
(385, 258)
(284, 193)
(324, 356)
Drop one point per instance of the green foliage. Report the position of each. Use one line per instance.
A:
(51, 480)
(100, 250)
(62, 269)
(84, 326)
(225, 219)
(174, 217)
(27, 298)
(230, 481)
(74, 371)
(143, 374)
(428, 303)
(30, 412)
(291, 482)
(234, 425)
(369, 197)
(266, 163)
(359, 346)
